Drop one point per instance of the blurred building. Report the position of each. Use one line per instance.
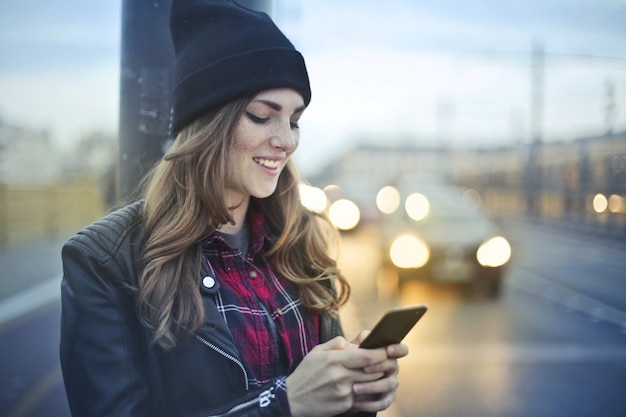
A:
(581, 181)
(360, 172)
(95, 154)
(27, 157)
(44, 192)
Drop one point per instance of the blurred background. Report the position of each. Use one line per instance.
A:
(472, 154)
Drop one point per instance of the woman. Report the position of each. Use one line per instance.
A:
(215, 294)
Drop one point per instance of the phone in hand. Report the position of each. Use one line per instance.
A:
(393, 326)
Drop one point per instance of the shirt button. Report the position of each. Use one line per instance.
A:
(252, 274)
(208, 282)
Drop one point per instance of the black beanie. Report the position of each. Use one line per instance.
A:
(225, 51)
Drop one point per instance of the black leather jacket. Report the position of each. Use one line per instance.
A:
(111, 369)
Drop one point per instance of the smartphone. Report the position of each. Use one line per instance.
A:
(393, 326)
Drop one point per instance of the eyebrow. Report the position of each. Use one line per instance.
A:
(275, 106)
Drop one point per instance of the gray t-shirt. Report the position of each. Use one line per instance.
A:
(239, 240)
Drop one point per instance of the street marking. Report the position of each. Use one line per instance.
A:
(34, 396)
(30, 299)
(573, 301)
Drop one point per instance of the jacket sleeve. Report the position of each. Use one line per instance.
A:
(270, 400)
(102, 362)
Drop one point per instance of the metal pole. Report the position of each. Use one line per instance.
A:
(147, 56)
(145, 88)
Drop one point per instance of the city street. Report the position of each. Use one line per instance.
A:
(554, 343)
(471, 154)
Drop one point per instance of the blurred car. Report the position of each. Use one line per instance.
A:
(440, 233)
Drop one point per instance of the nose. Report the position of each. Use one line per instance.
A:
(285, 138)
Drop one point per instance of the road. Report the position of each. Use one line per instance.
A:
(554, 344)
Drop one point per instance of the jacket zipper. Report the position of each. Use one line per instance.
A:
(210, 345)
(236, 408)
(226, 355)
(264, 400)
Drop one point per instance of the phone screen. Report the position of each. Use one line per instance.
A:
(393, 326)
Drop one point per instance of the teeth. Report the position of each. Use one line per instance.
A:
(267, 163)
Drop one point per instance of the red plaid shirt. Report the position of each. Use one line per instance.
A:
(267, 320)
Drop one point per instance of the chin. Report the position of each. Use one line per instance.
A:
(264, 193)
(262, 189)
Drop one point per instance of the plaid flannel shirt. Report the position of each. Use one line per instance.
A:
(267, 320)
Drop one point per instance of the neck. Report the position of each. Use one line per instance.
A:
(239, 216)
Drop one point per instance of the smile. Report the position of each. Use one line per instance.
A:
(267, 163)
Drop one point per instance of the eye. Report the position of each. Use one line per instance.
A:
(294, 125)
(256, 119)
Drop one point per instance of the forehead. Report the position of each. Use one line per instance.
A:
(284, 97)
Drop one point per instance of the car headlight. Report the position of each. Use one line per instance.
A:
(494, 252)
(408, 251)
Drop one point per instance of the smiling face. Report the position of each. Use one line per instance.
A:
(265, 137)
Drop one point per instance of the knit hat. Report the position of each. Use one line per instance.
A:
(225, 51)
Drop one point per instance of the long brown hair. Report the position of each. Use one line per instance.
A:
(185, 202)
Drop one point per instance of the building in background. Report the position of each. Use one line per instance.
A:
(27, 157)
(581, 181)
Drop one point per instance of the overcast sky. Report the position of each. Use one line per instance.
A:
(424, 70)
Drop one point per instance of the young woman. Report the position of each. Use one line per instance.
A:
(216, 294)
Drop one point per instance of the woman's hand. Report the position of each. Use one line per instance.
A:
(323, 384)
(378, 395)
(337, 376)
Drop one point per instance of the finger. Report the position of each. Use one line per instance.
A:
(379, 386)
(397, 351)
(337, 343)
(373, 403)
(361, 358)
(390, 366)
(360, 376)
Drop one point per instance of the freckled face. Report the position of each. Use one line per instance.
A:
(265, 137)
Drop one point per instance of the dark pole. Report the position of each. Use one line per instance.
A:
(147, 56)
(145, 86)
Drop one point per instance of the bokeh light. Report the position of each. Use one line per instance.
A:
(344, 214)
(417, 206)
(388, 199)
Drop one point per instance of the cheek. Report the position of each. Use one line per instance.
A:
(245, 140)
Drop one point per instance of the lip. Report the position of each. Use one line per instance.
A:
(271, 165)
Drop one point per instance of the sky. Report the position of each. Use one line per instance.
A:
(420, 71)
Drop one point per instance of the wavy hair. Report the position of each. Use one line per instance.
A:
(184, 202)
